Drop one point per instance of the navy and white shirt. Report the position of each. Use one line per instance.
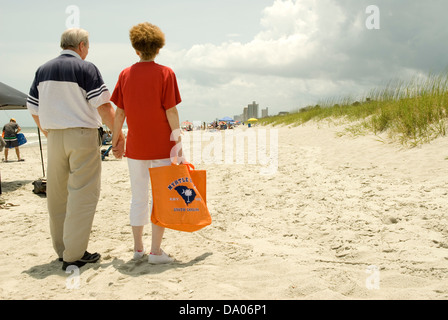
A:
(66, 93)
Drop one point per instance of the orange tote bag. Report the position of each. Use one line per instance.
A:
(179, 198)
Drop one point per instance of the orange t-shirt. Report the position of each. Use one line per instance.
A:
(145, 91)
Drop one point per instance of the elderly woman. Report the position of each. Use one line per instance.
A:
(146, 95)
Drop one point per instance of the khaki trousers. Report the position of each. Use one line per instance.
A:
(73, 188)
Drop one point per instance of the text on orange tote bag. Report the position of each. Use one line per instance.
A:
(179, 197)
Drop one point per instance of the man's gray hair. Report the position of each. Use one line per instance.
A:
(71, 38)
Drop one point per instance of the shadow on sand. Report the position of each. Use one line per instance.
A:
(130, 268)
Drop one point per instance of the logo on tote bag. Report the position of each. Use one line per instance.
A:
(186, 193)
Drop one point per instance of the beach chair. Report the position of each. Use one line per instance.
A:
(105, 153)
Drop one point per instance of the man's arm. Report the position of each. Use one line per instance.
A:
(107, 114)
(36, 119)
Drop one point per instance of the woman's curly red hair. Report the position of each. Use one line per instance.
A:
(147, 38)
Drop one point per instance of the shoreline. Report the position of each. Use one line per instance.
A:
(341, 218)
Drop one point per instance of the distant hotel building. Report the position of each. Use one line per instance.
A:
(264, 113)
(251, 111)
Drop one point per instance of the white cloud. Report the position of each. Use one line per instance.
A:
(286, 18)
(303, 51)
(310, 50)
(286, 66)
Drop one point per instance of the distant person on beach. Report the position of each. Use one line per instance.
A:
(10, 131)
(69, 102)
(146, 95)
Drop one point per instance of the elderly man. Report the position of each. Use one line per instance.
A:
(69, 101)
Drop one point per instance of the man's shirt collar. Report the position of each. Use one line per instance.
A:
(71, 52)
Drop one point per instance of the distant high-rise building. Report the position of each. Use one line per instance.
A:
(245, 114)
(264, 113)
(252, 110)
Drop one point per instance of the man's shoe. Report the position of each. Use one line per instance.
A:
(77, 264)
(86, 258)
(90, 257)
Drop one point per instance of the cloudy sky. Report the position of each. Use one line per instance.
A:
(284, 54)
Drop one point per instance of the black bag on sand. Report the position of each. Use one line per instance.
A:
(40, 186)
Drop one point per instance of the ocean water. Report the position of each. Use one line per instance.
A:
(32, 137)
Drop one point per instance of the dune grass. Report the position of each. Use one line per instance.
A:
(412, 112)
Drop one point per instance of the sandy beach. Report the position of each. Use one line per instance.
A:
(341, 218)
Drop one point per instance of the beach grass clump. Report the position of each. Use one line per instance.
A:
(411, 112)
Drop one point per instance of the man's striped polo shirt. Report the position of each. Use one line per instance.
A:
(66, 92)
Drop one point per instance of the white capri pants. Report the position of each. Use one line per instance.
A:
(140, 182)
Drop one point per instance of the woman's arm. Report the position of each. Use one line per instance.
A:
(117, 134)
(173, 119)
